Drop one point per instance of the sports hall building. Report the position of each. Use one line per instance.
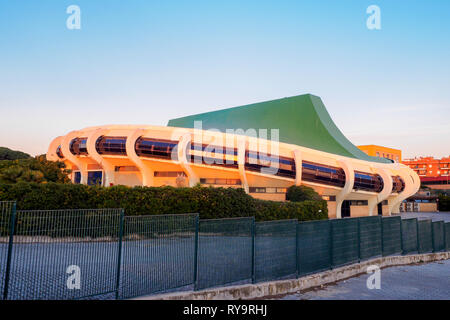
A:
(263, 148)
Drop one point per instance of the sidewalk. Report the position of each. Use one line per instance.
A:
(428, 281)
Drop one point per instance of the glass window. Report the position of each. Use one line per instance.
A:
(59, 152)
(168, 174)
(398, 185)
(95, 178)
(162, 149)
(323, 174)
(257, 190)
(78, 146)
(256, 162)
(368, 182)
(77, 177)
(111, 145)
(212, 155)
(125, 168)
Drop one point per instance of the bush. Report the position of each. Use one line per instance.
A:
(302, 193)
(208, 202)
(8, 154)
(37, 170)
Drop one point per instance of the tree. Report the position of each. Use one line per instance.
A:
(301, 193)
(8, 154)
(36, 169)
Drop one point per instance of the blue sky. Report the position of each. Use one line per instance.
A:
(145, 62)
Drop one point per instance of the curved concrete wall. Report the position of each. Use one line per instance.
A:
(147, 167)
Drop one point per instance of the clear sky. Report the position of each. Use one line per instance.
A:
(145, 62)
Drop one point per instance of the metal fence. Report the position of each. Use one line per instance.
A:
(370, 238)
(344, 241)
(158, 254)
(424, 236)
(438, 233)
(447, 236)
(410, 240)
(275, 250)
(7, 215)
(314, 246)
(43, 253)
(391, 235)
(225, 252)
(49, 247)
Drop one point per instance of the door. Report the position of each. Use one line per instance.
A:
(345, 209)
(380, 209)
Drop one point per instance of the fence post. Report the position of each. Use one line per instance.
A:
(433, 245)
(331, 244)
(297, 265)
(119, 258)
(253, 250)
(382, 241)
(401, 237)
(359, 240)
(445, 239)
(196, 251)
(10, 246)
(417, 228)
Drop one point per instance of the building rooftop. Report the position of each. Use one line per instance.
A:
(302, 120)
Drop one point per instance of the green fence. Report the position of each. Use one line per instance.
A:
(158, 254)
(101, 254)
(392, 235)
(275, 250)
(424, 236)
(437, 228)
(7, 214)
(314, 246)
(225, 251)
(409, 236)
(52, 249)
(370, 238)
(345, 241)
(447, 236)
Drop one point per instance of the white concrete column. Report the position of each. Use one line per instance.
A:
(412, 185)
(384, 193)
(107, 167)
(65, 149)
(241, 146)
(51, 152)
(348, 187)
(146, 172)
(298, 167)
(183, 161)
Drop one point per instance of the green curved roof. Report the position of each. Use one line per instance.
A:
(302, 120)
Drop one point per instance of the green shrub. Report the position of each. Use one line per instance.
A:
(302, 193)
(208, 202)
(8, 154)
(36, 169)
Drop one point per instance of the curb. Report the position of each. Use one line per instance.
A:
(282, 287)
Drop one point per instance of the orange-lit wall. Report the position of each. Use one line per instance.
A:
(383, 152)
(429, 166)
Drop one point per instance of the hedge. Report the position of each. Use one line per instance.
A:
(208, 202)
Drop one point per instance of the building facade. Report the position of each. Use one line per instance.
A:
(433, 173)
(384, 152)
(233, 148)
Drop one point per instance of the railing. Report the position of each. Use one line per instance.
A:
(101, 254)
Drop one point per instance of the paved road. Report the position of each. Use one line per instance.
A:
(429, 281)
(435, 216)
